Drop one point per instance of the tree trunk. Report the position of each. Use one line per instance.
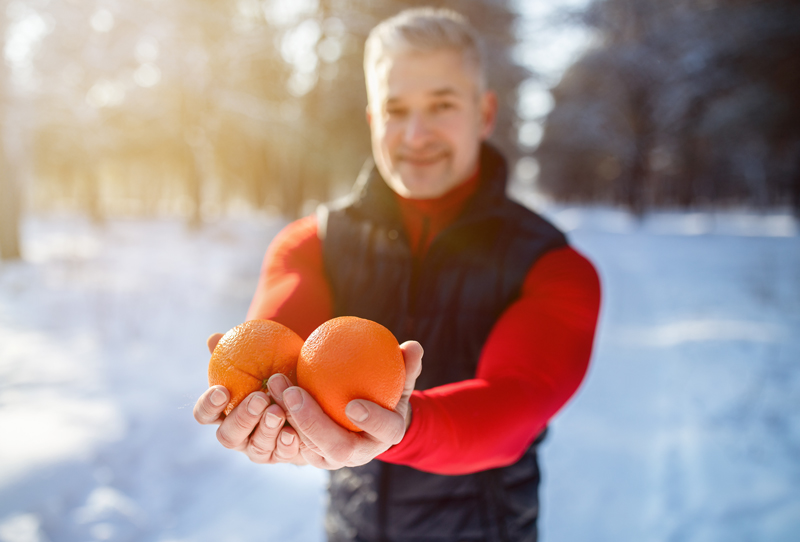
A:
(643, 134)
(10, 193)
(194, 184)
(10, 203)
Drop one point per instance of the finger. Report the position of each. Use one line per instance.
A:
(212, 342)
(263, 441)
(288, 444)
(316, 460)
(332, 441)
(412, 355)
(276, 385)
(386, 426)
(236, 428)
(305, 442)
(209, 407)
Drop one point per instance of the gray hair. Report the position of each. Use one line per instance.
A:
(424, 30)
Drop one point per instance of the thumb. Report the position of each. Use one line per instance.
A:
(212, 342)
(412, 356)
(384, 425)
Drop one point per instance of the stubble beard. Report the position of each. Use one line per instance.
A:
(426, 181)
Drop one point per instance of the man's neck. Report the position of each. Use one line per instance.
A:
(425, 218)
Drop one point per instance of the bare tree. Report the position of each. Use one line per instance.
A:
(10, 193)
(198, 105)
(682, 103)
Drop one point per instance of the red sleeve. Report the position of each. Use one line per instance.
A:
(534, 360)
(292, 289)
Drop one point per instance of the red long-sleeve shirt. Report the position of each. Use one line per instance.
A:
(533, 361)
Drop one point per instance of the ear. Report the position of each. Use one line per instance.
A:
(369, 116)
(488, 113)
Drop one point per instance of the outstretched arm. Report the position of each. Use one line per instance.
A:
(293, 289)
(534, 360)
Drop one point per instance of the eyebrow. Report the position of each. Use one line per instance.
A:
(438, 93)
(447, 91)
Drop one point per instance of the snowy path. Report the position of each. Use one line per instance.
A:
(687, 428)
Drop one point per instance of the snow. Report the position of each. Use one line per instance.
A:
(687, 427)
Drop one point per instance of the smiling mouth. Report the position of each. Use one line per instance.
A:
(422, 160)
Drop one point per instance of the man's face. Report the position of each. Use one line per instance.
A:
(427, 118)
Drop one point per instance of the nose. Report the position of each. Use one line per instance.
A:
(417, 131)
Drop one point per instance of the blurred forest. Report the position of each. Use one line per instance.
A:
(203, 108)
(199, 108)
(681, 103)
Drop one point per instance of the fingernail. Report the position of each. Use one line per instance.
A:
(356, 412)
(256, 405)
(277, 384)
(272, 420)
(218, 398)
(292, 399)
(287, 438)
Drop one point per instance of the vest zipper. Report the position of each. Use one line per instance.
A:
(383, 506)
(416, 270)
(423, 237)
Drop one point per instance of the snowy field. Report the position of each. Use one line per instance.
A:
(686, 429)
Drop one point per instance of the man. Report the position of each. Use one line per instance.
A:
(428, 245)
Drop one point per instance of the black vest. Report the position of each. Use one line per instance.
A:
(448, 302)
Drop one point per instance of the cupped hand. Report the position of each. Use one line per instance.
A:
(255, 427)
(327, 445)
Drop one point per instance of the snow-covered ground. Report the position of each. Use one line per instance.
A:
(686, 429)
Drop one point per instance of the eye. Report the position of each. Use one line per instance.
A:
(396, 112)
(441, 107)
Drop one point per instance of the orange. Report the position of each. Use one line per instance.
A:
(350, 358)
(247, 355)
